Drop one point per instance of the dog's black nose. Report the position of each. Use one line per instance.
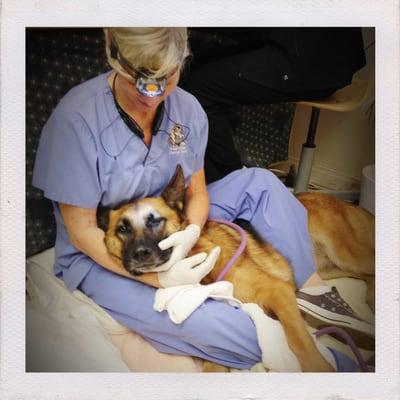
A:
(142, 253)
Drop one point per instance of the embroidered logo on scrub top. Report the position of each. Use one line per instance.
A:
(177, 140)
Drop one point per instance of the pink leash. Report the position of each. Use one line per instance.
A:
(348, 339)
(238, 252)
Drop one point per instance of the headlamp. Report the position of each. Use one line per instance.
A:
(150, 87)
(145, 85)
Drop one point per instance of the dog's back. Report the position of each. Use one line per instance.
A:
(343, 237)
(343, 234)
(256, 256)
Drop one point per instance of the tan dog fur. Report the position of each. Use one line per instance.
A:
(344, 246)
(343, 236)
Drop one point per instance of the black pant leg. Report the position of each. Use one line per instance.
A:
(211, 87)
(218, 86)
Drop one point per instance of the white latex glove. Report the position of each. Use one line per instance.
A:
(182, 241)
(190, 270)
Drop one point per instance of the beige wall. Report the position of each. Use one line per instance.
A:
(345, 140)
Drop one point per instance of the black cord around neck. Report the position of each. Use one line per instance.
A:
(131, 123)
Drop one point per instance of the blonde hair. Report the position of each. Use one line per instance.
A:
(156, 50)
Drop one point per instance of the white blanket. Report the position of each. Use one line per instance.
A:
(64, 332)
(68, 332)
(181, 301)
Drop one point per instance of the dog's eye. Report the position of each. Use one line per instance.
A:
(153, 221)
(124, 227)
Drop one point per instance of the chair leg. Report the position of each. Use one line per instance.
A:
(307, 154)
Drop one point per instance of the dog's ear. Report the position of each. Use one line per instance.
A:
(174, 193)
(103, 218)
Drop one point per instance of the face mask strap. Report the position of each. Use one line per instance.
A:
(123, 62)
(113, 50)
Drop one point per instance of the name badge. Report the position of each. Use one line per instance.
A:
(177, 140)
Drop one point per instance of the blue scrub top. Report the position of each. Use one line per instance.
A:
(87, 157)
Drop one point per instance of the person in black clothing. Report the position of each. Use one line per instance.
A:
(261, 66)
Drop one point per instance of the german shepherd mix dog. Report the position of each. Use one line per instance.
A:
(343, 237)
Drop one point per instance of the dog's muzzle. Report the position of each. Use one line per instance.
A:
(144, 258)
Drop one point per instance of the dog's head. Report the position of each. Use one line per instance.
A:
(133, 231)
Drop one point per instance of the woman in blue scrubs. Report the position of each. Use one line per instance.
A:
(120, 136)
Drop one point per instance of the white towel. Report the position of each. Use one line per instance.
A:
(181, 301)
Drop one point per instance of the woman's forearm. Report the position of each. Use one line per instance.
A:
(196, 209)
(196, 200)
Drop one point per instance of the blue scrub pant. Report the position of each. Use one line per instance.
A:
(258, 196)
(215, 331)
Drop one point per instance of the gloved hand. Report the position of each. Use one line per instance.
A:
(182, 241)
(190, 270)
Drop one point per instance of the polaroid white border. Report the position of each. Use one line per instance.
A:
(15, 17)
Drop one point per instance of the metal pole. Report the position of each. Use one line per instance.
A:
(307, 154)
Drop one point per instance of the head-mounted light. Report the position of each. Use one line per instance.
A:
(145, 85)
(150, 87)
